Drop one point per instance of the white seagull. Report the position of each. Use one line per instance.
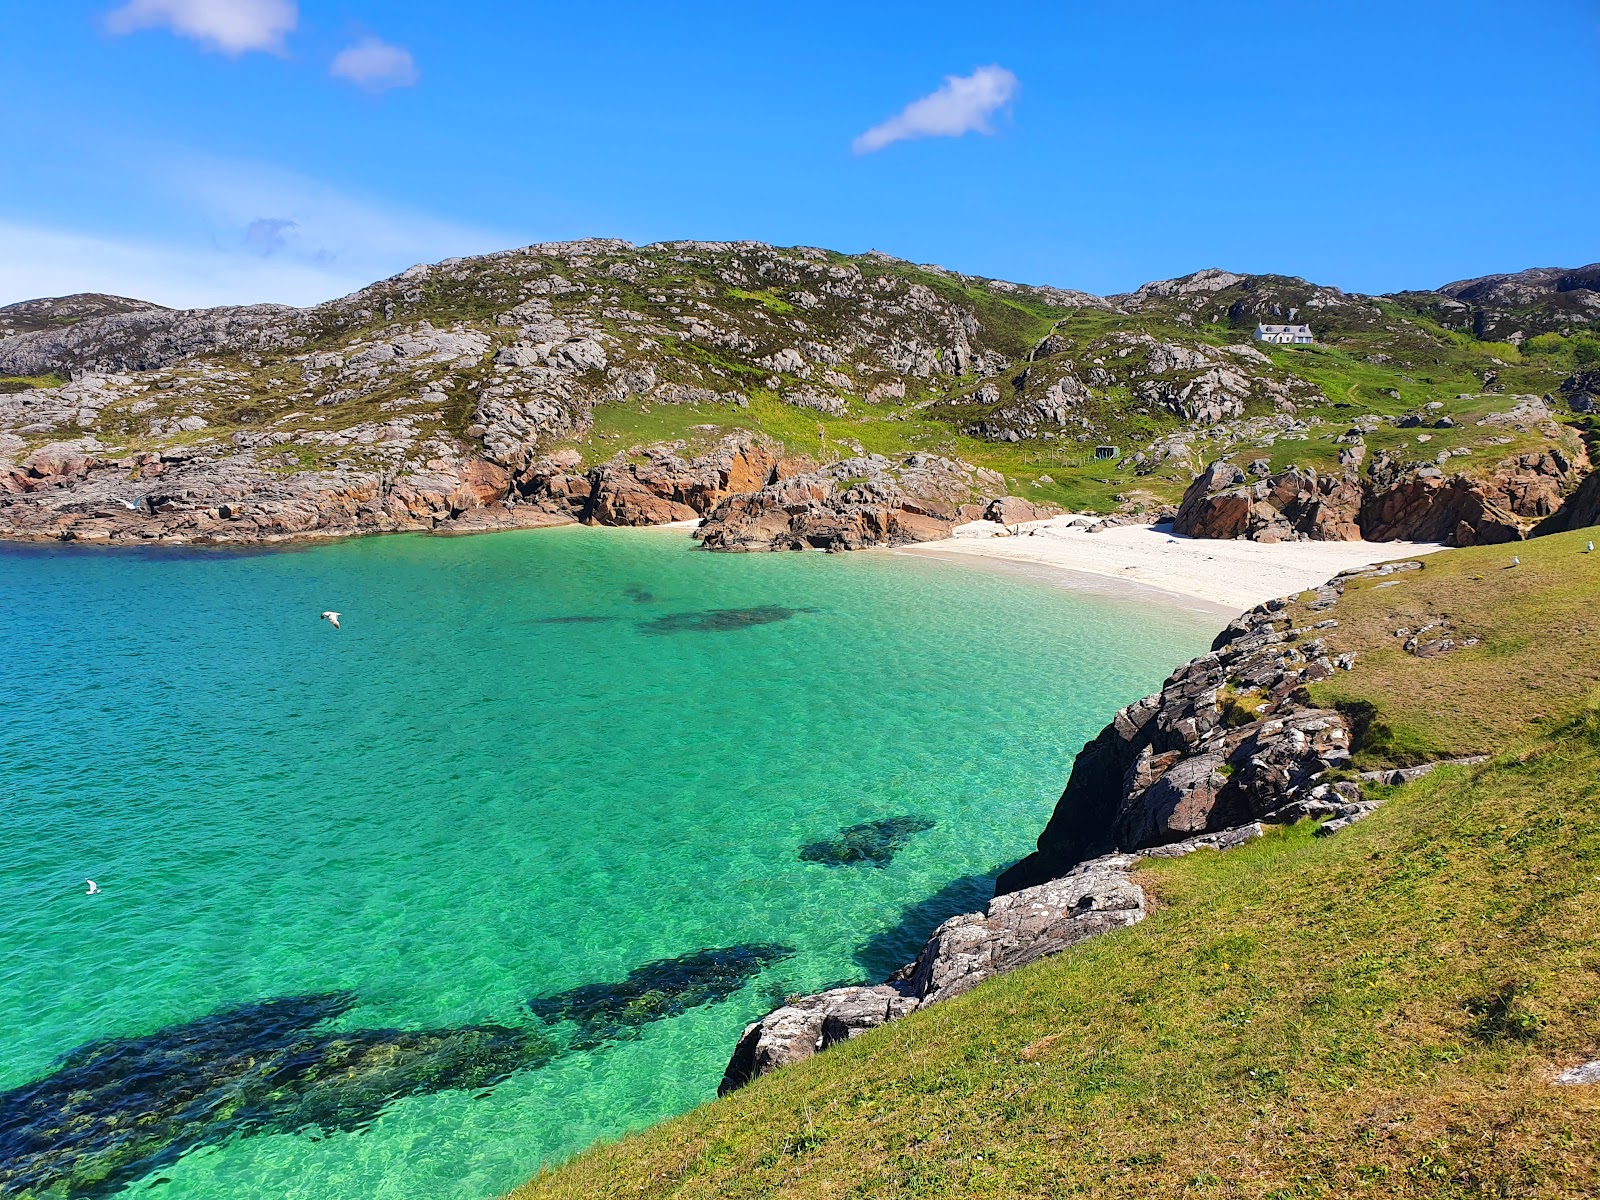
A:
(94, 888)
(332, 618)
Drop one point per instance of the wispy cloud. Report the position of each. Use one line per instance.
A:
(38, 260)
(217, 248)
(268, 235)
(963, 104)
(375, 65)
(230, 26)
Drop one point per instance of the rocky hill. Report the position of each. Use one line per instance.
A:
(603, 382)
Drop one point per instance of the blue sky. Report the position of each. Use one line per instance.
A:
(228, 151)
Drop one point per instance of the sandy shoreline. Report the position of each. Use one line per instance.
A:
(1223, 577)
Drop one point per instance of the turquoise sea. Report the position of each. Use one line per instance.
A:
(527, 762)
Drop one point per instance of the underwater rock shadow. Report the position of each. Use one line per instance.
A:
(639, 595)
(116, 1109)
(654, 991)
(577, 620)
(885, 953)
(720, 620)
(871, 843)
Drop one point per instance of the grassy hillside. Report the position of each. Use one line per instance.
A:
(1375, 1014)
(824, 352)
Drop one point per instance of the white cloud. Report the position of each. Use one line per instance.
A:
(962, 105)
(231, 26)
(375, 65)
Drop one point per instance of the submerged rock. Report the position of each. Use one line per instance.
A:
(115, 1109)
(720, 620)
(872, 842)
(664, 988)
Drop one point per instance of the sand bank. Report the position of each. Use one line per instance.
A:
(1229, 576)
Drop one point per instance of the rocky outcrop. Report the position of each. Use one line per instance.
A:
(865, 501)
(1582, 391)
(1425, 505)
(1088, 900)
(1580, 509)
(1225, 502)
(663, 485)
(1014, 510)
(1229, 739)
(142, 338)
(1392, 502)
(73, 491)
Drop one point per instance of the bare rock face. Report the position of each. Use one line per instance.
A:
(142, 338)
(1014, 510)
(1424, 504)
(1393, 502)
(848, 505)
(1293, 504)
(808, 1024)
(1225, 742)
(1090, 899)
(1094, 898)
(1020, 927)
(666, 487)
(663, 486)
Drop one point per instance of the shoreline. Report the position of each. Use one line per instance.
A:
(1221, 578)
(1212, 578)
(1073, 579)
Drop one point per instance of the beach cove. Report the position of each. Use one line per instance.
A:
(527, 765)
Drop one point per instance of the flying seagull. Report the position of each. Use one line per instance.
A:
(94, 888)
(332, 618)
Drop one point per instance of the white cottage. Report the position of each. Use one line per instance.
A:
(1285, 335)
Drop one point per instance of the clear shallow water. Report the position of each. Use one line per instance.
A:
(455, 804)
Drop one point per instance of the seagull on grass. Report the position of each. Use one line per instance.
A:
(332, 618)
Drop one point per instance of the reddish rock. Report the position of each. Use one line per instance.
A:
(868, 501)
(1292, 504)
(58, 459)
(1393, 503)
(1014, 510)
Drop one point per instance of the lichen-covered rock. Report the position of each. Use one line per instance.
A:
(1225, 742)
(808, 1024)
(1091, 899)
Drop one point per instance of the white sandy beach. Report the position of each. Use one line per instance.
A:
(1223, 575)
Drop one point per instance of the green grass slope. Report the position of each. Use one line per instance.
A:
(1379, 1013)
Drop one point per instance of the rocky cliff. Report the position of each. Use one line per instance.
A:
(1231, 742)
